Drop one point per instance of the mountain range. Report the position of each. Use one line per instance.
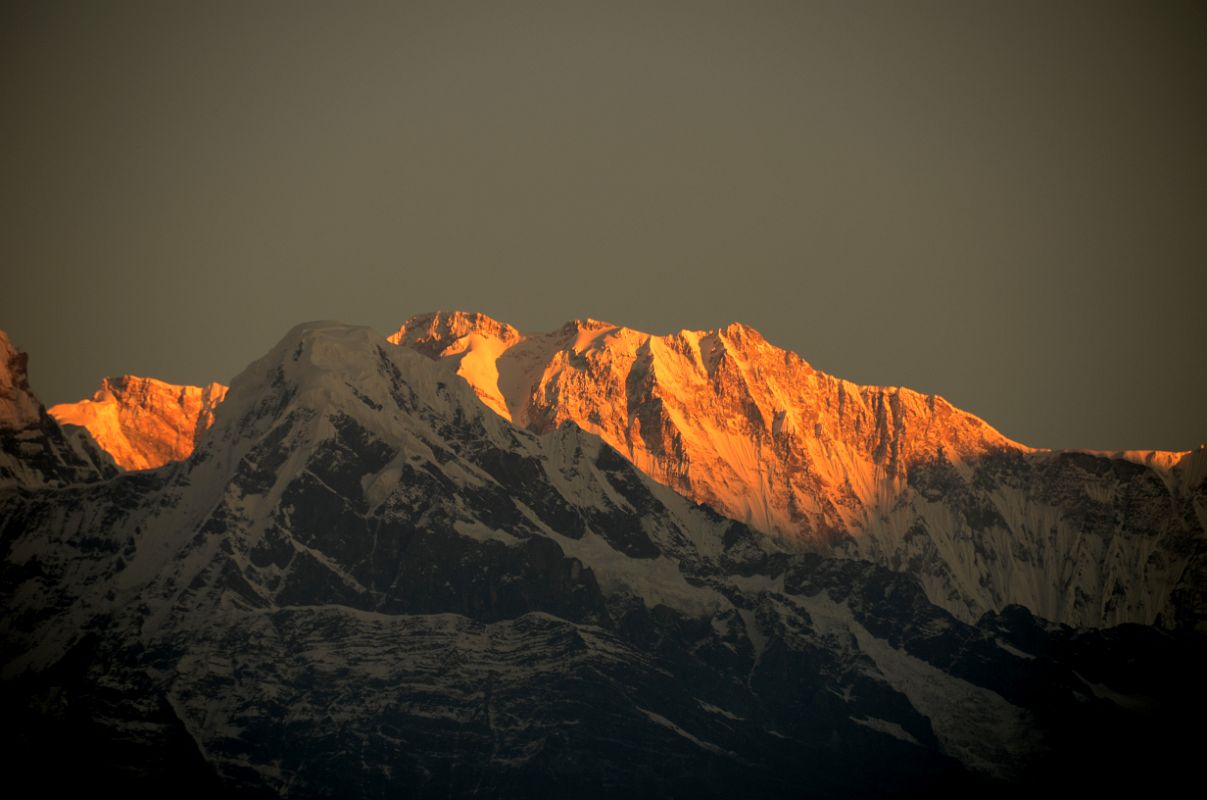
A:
(463, 560)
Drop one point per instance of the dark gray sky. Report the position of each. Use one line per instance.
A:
(1003, 203)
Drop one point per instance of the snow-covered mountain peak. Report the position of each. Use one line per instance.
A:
(326, 383)
(440, 333)
(700, 410)
(742, 335)
(318, 368)
(586, 325)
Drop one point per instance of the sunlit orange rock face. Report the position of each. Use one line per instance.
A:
(721, 416)
(883, 473)
(144, 423)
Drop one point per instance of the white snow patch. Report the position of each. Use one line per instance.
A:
(714, 710)
(478, 531)
(658, 719)
(1012, 650)
(884, 726)
(1132, 702)
(654, 580)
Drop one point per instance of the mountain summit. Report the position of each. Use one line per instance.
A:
(721, 415)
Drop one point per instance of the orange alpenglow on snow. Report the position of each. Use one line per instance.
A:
(721, 416)
(144, 423)
(476, 338)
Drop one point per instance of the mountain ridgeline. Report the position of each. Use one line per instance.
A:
(818, 463)
(884, 474)
(466, 561)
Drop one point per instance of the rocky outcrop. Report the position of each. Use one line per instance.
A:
(143, 423)
(34, 450)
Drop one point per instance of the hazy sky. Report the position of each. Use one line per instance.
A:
(1004, 203)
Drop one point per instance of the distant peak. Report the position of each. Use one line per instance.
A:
(143, 423)
(741, 329)
(741, 335)
(435, 331)
(587, 324)
(122, 384)
(134, 389)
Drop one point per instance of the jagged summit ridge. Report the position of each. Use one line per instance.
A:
(144, 423)
(435, 332)
(706, 412)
